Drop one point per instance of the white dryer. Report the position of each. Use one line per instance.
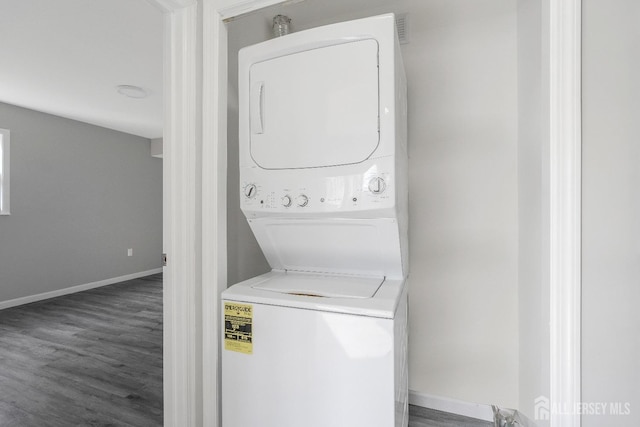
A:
(321, 340)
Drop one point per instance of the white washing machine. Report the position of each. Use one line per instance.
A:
(321, 340)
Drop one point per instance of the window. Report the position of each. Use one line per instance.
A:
(4, 172)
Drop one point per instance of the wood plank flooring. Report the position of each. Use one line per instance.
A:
(94, 358)
(423, 417)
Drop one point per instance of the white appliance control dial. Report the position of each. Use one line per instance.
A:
(302, 200)
(250, 191)
(286, 201)
(377, 185)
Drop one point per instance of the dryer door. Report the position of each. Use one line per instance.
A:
(315, 108)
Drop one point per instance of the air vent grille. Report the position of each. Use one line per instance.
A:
(402, 25)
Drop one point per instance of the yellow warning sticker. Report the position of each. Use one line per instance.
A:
(238, 327)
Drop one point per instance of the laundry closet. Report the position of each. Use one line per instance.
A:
(466, 93)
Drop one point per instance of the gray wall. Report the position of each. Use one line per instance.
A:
(80, 196)
(611, 210)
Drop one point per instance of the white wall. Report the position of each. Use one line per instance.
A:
(461, 65)
(533, 210)
(611, 208)
(461, 68)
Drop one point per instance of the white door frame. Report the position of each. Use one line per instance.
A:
(182, 340)
(195, 202)
(565, 182)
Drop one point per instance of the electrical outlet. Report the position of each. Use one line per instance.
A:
(130, 252)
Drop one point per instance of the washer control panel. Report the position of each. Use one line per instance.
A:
(315, 191)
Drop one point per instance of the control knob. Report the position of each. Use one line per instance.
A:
(286, 201)
(377, 185)
(302, 200)
(250, 191)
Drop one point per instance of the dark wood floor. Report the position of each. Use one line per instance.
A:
(88, 359)
(95, 359)
(423, 417)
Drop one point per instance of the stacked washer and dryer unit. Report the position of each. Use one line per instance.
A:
(321, 340)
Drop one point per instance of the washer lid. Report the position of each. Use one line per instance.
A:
(382, 304)
(317, 285)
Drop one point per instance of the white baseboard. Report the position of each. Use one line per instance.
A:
(73, 289)
(459, 407)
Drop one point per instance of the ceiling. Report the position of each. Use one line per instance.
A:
(66, 57)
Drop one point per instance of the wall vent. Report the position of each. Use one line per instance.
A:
(402, 25)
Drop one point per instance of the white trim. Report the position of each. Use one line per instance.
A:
(230, 9)
(452, 406)
(73, 289)
(182, 339)
(214, 207)
(170, 6)
(565, 208)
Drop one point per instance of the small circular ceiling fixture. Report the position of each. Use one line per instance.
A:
(131, 91)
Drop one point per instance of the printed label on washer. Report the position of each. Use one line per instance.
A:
(238, 327)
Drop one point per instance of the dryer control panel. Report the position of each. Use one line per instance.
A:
(370, 187)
